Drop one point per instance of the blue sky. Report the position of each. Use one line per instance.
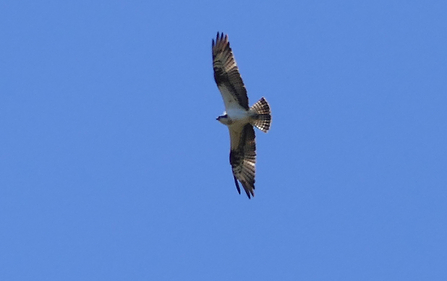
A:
(113, 166)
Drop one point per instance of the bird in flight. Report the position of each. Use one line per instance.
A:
(238, 116)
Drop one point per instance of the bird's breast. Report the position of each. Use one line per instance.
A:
(238, 116)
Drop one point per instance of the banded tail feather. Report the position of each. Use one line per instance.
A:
(262, 117)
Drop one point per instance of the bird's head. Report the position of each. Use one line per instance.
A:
(223, 119)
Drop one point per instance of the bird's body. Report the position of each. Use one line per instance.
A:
(235, 117)
(238, 116)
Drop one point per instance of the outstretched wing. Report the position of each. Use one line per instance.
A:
(243, 157)
(226, 74)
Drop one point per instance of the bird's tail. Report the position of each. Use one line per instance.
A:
(261, 115)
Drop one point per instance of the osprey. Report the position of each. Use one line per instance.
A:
(238, 116)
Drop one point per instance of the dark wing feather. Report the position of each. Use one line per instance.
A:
(226, 73)
(243, 159)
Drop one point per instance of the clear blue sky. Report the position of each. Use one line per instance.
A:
(113, 167)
